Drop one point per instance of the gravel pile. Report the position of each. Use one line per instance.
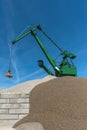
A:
(26, 87)
(59, 104)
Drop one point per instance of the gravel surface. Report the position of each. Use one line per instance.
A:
(59, 104)
(30, 126)
(7, 128)
(26, 87)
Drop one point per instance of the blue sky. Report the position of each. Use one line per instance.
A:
(64, 20)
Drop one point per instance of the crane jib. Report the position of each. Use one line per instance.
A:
(66, 66)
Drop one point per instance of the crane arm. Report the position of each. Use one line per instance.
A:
(45, 51)
(20, 37)
(65, 67)
(24, 35)
(32, 31)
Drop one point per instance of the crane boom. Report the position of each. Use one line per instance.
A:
(65, 67)
(23, 35)
(45, 51)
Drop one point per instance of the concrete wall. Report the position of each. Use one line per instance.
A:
(13, 107)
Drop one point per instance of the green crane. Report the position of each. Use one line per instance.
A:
(65, 68)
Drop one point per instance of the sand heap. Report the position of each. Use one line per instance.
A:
(59, 104)
(27, 86)
(14, 102)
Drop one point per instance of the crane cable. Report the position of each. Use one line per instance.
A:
(10, 57)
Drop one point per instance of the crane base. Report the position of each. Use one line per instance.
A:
(68, 71)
